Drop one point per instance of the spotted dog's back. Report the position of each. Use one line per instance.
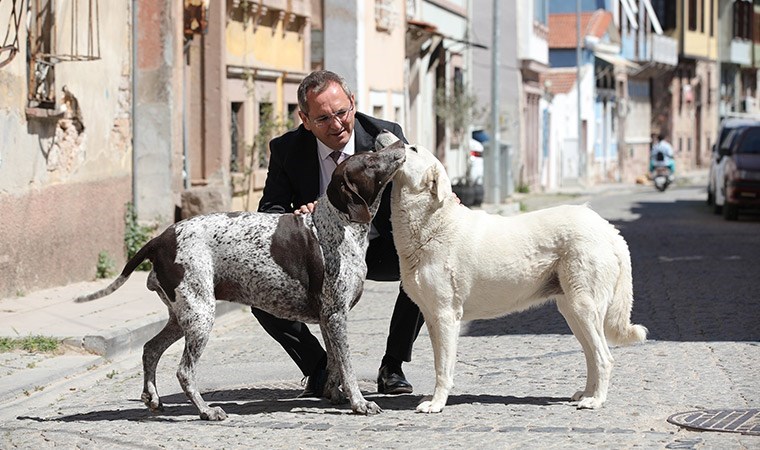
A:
(309, 268)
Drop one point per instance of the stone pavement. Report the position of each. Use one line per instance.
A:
(512, 390)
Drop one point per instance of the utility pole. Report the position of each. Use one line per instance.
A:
(578, 55)
(492, 192)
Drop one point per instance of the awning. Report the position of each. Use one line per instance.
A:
(629, 9)
(617, 60)
(429, 28)
(652, 17)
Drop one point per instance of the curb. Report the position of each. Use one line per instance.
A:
(116, 342)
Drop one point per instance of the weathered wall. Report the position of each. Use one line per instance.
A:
(64, 179)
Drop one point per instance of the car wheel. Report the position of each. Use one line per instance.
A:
(730, 212)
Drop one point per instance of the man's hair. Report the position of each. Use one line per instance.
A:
(317, 82)
(661, 137)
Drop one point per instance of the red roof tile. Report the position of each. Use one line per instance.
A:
(562, 27)
(562, 80)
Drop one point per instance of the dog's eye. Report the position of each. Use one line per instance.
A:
(413, 148)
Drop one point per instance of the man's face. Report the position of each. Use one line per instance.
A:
(331, 116)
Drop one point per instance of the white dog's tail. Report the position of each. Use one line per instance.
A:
(617, 324)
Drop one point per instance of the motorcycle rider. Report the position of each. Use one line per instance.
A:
(662, 155)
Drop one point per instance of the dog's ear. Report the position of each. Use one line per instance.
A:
(358, 210)
(385, 139)
(344, 193)
(436, 183)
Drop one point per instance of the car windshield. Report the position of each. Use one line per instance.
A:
(751, 141)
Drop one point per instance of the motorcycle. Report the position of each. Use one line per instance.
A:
(662, 177)
(662, 174)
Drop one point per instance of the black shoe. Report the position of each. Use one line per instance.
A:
(391, 380)
(315, 385)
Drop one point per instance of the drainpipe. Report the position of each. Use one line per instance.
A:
(134, 104)
(185, 124)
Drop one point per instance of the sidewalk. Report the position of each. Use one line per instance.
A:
(92, 332)
(122, 322)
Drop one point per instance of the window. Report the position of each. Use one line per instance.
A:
(743, 19)
(41, 68)
(702, 15)
(266, 131)
(71, 34)
(666, 11)
(541, 11)
(237, 146)
(692, 15)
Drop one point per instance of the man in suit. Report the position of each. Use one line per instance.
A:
(300, 166)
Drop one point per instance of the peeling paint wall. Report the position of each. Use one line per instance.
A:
(65, 171)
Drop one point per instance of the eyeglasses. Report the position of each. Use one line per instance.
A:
(327, 119)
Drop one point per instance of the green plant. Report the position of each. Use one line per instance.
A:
(31, 344)
(270, 124)
(105, 266)
(136, 235)
(457, 107)
(6, 344)
(523, 188)
(111, 374)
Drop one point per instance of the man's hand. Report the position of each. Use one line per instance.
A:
(305, 209)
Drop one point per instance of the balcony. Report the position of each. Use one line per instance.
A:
(740, 52)
(662, 50)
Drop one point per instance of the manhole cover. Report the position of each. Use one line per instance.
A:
(745, 421)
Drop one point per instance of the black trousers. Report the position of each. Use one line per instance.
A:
(406, 321)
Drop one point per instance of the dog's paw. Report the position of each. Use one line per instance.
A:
(152, 402)
(367, 408)
(590, 403)
(578, 395)
(215, 414)
(335, 395)
(430, 407)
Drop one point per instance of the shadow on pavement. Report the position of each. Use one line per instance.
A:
(695, 277)
(264, 401)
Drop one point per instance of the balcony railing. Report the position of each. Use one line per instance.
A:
(663, 49)
(741, 52)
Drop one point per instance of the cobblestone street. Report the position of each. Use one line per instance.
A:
(513, 379)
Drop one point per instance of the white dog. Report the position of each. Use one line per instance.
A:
(459, 264)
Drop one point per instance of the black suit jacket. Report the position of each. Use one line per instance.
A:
(293, 174)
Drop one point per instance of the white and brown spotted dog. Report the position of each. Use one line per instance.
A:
(458, 264)
(301, 267)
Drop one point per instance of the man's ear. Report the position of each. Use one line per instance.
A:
(304, 120)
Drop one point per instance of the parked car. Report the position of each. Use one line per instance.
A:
(738, 181)
(475, 162)
(717, 164)
(469, 188)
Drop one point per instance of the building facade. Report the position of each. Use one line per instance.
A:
(65, 141)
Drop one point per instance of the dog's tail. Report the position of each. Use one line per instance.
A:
(141, 255)
(617, 323)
